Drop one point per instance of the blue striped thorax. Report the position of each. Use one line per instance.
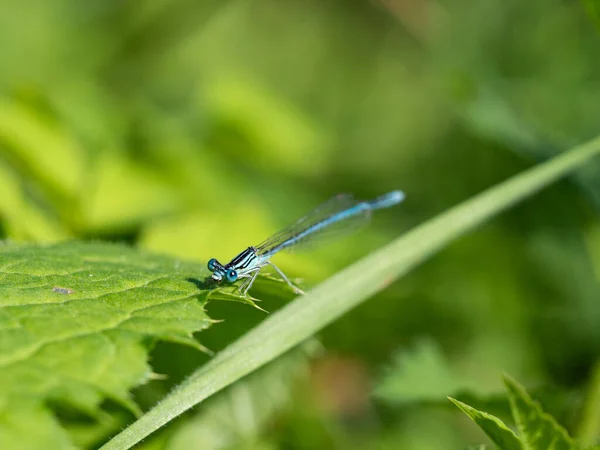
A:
(237, 267)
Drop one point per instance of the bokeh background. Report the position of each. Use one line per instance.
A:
(196, 129)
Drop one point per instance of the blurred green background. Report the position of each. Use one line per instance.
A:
(196, 129)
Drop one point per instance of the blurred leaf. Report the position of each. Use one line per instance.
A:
(419, 374)
(327, 302)
(537, 430)
(511, 91)
(201, 232)
(237, 416)
(421, 429)
(23, 219)
(491, 113)
(89, 433)
(593, 9)
(26, 424)
(499, 433)
(76, 321)
(291, 141)
(508, 63)
(124, 193)
(42, 147)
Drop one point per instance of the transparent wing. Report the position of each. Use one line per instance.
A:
(326, 221)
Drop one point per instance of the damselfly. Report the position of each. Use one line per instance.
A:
(341, 213)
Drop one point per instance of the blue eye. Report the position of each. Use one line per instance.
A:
(231, 275)
(212, 264)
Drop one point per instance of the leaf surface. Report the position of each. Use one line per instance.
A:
(77, 321)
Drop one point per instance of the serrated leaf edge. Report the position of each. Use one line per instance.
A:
(515, 389)
(470, 411)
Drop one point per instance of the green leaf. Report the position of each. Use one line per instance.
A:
(418, 374)
(537, 429)
(17, 432)
(43, 147)
(125, 193)
(88, 434)
(322, 305)
(22, 218)
(496, 430)
(77, 320)
(291, 141)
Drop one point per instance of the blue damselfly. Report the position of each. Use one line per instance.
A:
(340, 214)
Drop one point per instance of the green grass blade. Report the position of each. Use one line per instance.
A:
(322, 305)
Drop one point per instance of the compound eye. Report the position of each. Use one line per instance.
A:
(231, 275)
(212, 264)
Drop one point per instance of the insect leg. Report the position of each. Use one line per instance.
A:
(296, 289)
(246, 285)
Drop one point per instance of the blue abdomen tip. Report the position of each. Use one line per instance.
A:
(389, 199)
(395, 197)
